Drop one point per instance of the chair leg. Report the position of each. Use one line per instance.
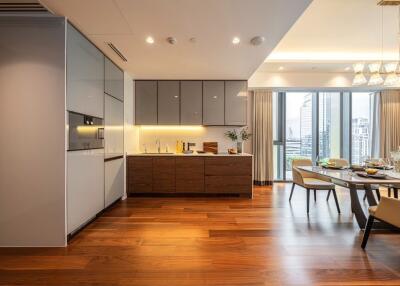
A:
(308, 201)
(329, 193)
(367, 230)
(315, 195)
(396, 193)
(389, 192)
(365, 196)
(291, 192)
(336, 201)
(378, 194)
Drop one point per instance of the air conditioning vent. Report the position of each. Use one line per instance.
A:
(22, 7)
(118, 52)
(388, 2)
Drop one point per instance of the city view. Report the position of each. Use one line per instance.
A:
(299, 126)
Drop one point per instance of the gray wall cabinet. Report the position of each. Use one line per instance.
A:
(146, 102)
(168, 102)
(114, 80)
(85, 75)
(235, 102)
(213, 102)
(192, 102)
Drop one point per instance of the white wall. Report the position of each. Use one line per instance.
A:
(32, 124)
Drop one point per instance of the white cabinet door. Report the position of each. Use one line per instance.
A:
(85, 186)
(114, 181)
(113, 126)
(85, 75)
(114, 80)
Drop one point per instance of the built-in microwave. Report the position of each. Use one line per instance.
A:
(84, 132)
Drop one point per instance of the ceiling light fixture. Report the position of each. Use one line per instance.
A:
(281, 68)
(150, 40)
(380, 72)
(236, 40)
(347, 68)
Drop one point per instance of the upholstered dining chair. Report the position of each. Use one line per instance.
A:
(310, 181)
(340, 162)
(388, 210)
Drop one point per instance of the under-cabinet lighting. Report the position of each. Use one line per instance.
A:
(172, 127)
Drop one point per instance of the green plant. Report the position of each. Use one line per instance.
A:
(244, 134)
(232, 134)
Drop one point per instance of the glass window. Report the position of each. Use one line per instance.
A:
(329, 124)
(299, 135)
(361, 126)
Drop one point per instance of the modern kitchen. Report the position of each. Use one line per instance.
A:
(199, 142)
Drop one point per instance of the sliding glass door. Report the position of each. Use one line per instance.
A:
(361, 126)
(299, 128)
(321, 125)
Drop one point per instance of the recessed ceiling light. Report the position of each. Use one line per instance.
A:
(150, 40)
(281, 68)
(347, 68)
(235, 40)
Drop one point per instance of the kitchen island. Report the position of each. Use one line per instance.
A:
(162, 173)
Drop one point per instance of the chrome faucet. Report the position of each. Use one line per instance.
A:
(158, 142)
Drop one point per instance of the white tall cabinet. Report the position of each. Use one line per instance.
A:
(113, 133)
(85, 95)
(85, 75)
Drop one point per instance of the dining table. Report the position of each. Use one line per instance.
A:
(352, 181)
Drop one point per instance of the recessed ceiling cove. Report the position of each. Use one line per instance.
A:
(127, 23)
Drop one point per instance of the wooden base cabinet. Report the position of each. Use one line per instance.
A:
(190, 174)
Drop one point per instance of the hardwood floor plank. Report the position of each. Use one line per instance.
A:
(214, 241)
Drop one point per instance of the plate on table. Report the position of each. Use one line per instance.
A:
(376, 176)
(334, 167)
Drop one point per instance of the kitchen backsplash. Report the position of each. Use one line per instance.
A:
(193, 134)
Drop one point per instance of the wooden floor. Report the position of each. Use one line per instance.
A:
(214, 241)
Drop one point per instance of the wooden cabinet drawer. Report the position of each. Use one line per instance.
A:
(163, 175)
(228, 166)
(228, 184)
(190, 175)
(140, 174)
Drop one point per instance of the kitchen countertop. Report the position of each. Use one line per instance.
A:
(193, 154)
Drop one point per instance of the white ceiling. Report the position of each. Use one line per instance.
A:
(126, 23)
(333, 34)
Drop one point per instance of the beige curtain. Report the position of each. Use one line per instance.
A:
(389, 122)
(262, 137)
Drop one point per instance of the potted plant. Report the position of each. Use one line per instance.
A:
(239, 138)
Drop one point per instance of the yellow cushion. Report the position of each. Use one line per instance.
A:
(372, 210)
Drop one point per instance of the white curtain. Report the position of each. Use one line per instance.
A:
(375, 126)
(263, 137)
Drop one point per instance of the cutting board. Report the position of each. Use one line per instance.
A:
(210, 147)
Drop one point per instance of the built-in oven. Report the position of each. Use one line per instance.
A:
(84, 132)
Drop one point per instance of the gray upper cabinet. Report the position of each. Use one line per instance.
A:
(85, 75)
(146, 102)
(236, 102)
(213, 103)
(114, 80)
(191, 102)
(168, 102)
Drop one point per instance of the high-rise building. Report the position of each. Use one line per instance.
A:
(306, 127)
(360, 133)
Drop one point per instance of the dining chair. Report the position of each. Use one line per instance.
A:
(387, 210)
(310, 181)
(340, 162)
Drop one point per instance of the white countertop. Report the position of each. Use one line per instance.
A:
(192, 154)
